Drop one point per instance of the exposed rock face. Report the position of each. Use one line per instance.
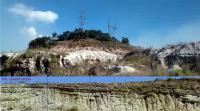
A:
(121, 69)
(39, 62)
(81, 56)
(176, 67)
(175, 54)
(42, 64)
(8, 55)
(161, 96)
(25, 65)
(112, 70)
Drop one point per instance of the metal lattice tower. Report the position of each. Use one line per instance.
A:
(112, 28)
(81, 19)
(109, 27)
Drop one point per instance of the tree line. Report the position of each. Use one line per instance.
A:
(77, 34)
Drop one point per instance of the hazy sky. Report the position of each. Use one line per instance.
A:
(147, 23)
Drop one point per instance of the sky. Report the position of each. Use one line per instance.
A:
(147, 23)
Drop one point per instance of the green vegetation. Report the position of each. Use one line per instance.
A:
(44, 42)
(125, 40)
(27, 54)
(77, 34)
(3, 59)
(82, 34)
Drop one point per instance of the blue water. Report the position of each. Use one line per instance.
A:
(84, 79)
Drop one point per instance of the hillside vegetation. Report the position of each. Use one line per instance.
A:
(80, 37)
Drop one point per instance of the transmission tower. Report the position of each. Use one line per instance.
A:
(109, 27)
(112, 28)
(81, 19)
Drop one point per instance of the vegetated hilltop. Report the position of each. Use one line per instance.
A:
(92, 52)
(169, 95)
(80, 39)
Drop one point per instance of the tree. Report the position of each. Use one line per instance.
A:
(40, 42)
(3, 59)
(64, 36)
(125, 40)
(54, 35)
(114, 39)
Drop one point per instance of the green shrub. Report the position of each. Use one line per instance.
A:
(44, 42)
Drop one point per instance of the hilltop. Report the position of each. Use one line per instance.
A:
(80, 38)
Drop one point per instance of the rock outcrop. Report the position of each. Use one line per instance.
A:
(88, 56)
(175, 54)
(21, 63)
(102, 97)
(112, 70)
(7, 55)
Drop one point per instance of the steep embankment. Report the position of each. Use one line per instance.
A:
(180, 95)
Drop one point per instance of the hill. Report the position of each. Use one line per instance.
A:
(92, 52)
